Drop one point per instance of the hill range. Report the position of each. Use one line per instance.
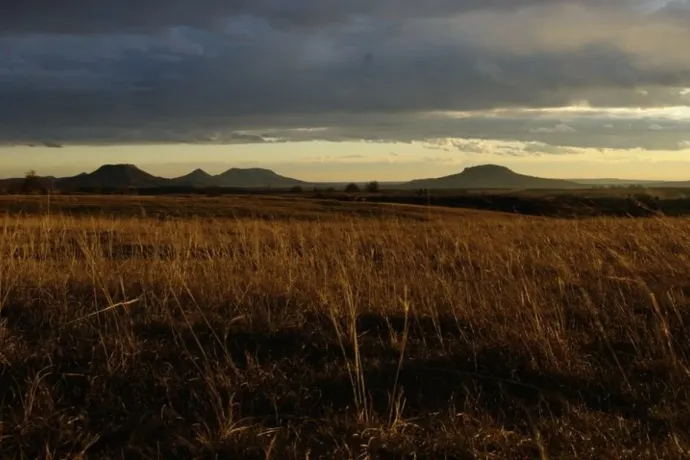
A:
(119, 176)
(129, 176)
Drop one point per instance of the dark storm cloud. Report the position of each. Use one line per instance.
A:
(174, 71)
(99, 16)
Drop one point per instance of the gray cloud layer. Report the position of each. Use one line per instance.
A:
(98, 16)
(149, 70)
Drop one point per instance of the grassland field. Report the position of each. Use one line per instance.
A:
(290, 328)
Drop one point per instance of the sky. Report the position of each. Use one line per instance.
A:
(327, 90)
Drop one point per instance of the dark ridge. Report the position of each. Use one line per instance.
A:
(253, 177)
(112, 176)
(196, 178)
(491, 177)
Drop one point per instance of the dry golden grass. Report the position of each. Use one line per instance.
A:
(398, 335)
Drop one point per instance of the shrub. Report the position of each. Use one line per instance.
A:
(373, 187)
(32, 184)
(352, 188)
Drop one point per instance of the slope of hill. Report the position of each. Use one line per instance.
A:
(669, 184)
(490, 177)
(253, 177)
(196, 178)
(112, 176)
(611, 182)
(629, 182)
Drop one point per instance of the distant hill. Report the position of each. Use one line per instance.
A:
(490, 177)
(253, 177)
(112, 176)
(235, 177)
(118, 176)
(196, 178)
(126, 175)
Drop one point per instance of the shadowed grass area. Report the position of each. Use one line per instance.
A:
(244, 207)
(392, 336)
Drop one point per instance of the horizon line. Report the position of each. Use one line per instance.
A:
(268, 169)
